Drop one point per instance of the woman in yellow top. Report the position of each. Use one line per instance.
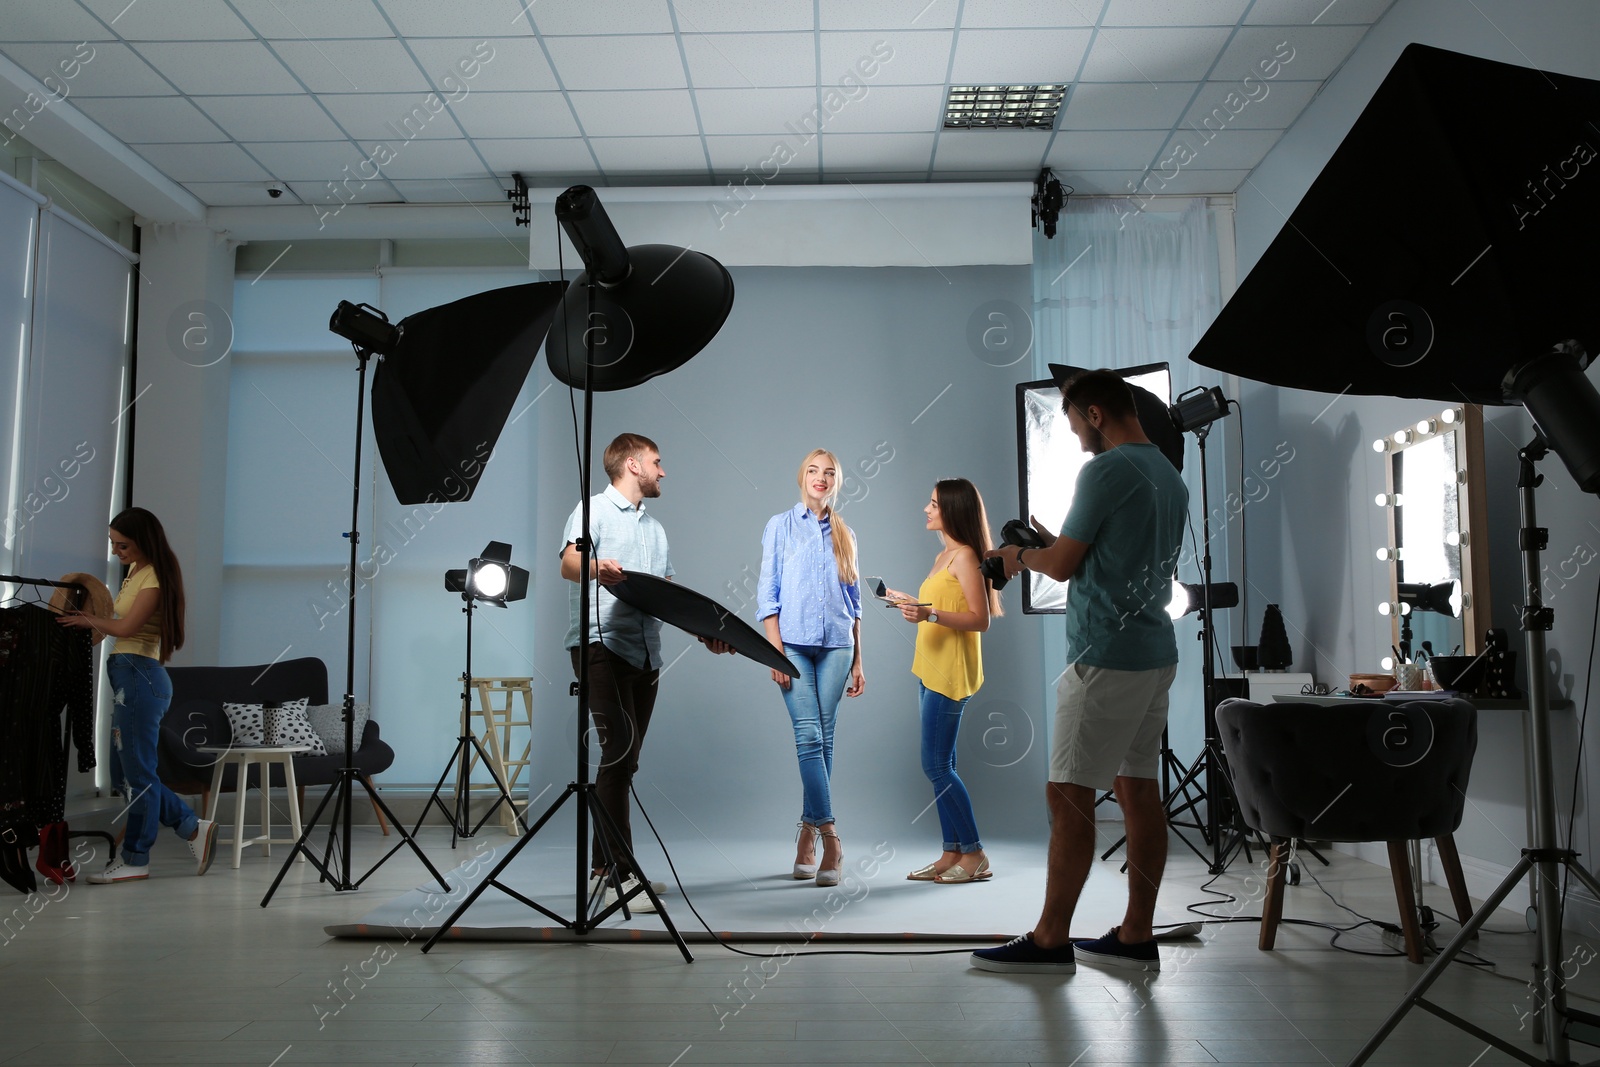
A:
(951, 609)
(148, 628)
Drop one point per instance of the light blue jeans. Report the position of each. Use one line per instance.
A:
(141, 692)
(941, 723)
(813, 702)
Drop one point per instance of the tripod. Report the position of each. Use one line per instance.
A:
(461, 824)
(1209, 765)
(1554, 1021)
(615, 854)
(335, 864)
(1188, 789)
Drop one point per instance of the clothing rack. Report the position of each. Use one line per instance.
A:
(78, 601)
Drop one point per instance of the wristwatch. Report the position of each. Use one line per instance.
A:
(933, 616)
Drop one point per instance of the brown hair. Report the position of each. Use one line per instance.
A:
(619, 451)
(144, 530)
(844, 544)
(1104, 389)
(966, 522)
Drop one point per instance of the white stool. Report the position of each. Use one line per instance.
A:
(243, 757)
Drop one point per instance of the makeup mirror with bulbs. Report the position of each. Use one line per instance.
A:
(1438, 563)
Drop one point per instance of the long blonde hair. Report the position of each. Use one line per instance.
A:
(844, 545)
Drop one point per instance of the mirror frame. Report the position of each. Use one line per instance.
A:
(1474, 522)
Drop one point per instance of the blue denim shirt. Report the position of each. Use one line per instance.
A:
(626, 534)
(800, 582)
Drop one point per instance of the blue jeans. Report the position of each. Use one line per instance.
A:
(813, 702)
(941, 722)
(141, 692)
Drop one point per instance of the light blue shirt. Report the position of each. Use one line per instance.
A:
(622, 532)
(800, 582)
(1129, 508)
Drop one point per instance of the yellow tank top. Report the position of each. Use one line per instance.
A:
(949, 662)
(147, 642)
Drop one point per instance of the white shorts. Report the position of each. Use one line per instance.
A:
(1108, 724)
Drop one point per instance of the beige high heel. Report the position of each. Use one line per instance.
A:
(802, 871)
(829, 876)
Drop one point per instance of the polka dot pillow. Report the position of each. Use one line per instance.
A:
(247, 723)
(286, 724)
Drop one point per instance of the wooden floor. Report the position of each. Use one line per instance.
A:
(185, 970)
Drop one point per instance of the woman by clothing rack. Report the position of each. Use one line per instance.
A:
(148, 627)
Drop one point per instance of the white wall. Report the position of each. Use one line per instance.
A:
(1315, 544)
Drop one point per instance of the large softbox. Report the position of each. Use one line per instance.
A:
(1450, 238)
(441, 398)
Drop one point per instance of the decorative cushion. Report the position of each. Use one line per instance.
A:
(247, 722)
(286, 724)
(328, 721)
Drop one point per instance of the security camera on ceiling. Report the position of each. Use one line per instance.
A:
(276, 189)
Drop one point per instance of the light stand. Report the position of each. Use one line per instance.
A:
(1554, 1021)
(489, 578)
(655, 327)
(369, 333)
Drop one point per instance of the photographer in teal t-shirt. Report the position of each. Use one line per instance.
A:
(1119, 546)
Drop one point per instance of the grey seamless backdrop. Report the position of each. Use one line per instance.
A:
(874, 364)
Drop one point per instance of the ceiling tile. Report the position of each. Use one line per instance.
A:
(220, 68)
(887, 58)
(431, 159)
(1192, 181)
(457, 191)
(353, 66)
(236, 194)
(887, 109)
(766, 157)
(292, 161)
(639, 16)
(636, 114)
(1011, 56)
(202, 162)
(871, 177)
(270, 118)
(887, 14)
(1153, 55)
(1174, 12)
(1126, 105)
(170, 20)
(167, 118)
(1318, 12)
(965, 149)
(648, 155)
(534, 156)
(735, 16)
(299, 20)
(1105, 149)
(1308, 53)
(406, 116)
(621, 62)
(898, 151)
(516, 115)
(1031, 13)
(1099, 182)
(1258, 105)
(1228, 150)
(454, 18)
(512, 64)
(759, 111)
(32, 21)
(328, 202)
(738, 60)
(100, 69)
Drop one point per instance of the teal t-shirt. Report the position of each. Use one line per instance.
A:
(1129, 507)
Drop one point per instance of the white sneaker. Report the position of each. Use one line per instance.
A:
(120, 870)
(203, 845)
(640, 904)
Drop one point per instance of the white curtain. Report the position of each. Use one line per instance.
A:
(1123, 284)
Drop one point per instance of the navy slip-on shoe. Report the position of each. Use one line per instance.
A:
(1021, 955)
(1108, 951)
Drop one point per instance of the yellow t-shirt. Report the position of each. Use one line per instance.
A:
(147, 642)
(949, 662)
